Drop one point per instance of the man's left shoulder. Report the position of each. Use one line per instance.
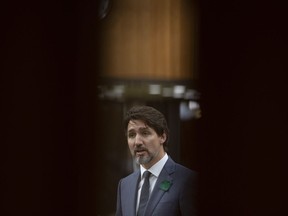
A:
(185, 170)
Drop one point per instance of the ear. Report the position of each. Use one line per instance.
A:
(163, 138)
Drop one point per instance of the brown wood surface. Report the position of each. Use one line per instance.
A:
(149, 39)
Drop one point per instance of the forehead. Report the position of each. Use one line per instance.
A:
(136, 125)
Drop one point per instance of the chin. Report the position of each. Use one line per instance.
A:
(143, 160)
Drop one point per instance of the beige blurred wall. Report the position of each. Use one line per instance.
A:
(149, 39)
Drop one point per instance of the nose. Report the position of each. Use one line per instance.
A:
(138, 140)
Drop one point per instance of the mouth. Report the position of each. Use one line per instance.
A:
(140, 152)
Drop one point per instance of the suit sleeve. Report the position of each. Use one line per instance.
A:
(189, 196)
(118, 207)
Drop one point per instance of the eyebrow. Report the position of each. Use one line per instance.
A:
(144, 128)
(140, 129)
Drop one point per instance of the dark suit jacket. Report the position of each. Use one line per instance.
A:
(179, 199)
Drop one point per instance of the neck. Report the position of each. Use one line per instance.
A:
(154, 160)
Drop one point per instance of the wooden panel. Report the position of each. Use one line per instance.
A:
(149, 39)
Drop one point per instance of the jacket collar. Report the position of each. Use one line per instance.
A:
(132, 194)
(157, 193)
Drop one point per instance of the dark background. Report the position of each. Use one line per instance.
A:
(49, 111)
(243, 71)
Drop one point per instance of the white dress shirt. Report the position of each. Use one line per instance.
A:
(155, 171)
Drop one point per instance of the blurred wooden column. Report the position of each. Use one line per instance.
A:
(149, 39)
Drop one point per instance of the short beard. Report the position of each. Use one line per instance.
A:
(144, 159)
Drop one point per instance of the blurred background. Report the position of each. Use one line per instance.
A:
(147, 56)
(71, 69)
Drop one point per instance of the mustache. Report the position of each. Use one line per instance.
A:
(140, 149)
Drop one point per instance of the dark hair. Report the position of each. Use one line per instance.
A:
(150, 116)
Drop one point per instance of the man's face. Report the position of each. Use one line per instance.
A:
(144, 143)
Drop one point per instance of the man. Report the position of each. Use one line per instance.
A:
(169, 187)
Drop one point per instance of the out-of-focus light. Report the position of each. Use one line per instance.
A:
(154, 89)
(178, 91)
(193, 105)
(189, 110)
(123, 92)
(185, 112)
(118, 90)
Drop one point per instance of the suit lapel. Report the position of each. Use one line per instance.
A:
(157, 193)
(132, 194)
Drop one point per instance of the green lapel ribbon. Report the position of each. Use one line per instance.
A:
(165, 185)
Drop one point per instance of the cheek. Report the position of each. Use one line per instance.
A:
(130, 143)
(152, 144)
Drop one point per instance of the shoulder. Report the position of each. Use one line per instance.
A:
(173, 166)
(181, 168)
(132, 177)
(187, 176)
(178, 170)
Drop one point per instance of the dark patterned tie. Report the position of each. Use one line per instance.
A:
(144, 194)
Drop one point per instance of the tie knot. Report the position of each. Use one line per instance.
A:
(146, 175)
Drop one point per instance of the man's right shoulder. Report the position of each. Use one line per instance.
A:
(131, 176)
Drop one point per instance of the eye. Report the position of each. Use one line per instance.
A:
(131, 135)
(145, 133)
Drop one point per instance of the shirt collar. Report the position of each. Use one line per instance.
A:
(157, 167)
